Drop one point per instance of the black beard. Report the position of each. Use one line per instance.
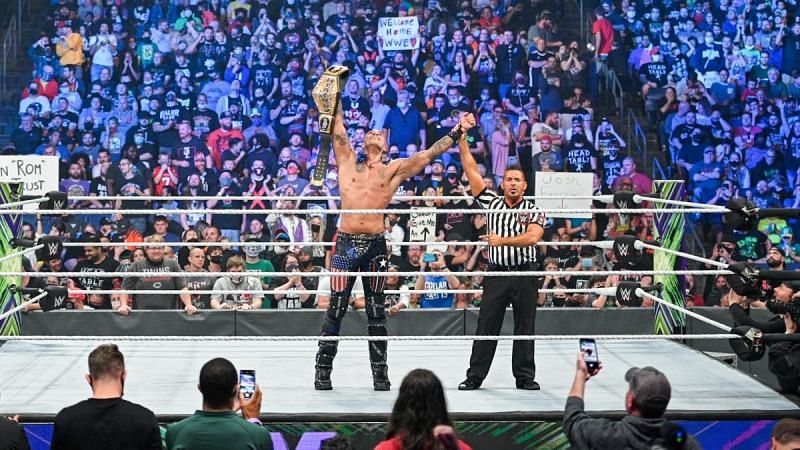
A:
(773, 263)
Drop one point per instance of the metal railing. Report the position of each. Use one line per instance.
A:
(10, 48)
(658, 170)
(637, 139)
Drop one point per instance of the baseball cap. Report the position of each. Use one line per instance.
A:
(282, 237)
(787, 232)
(255, 113)
(438, 161)
(547, 138)
(225, 115)
(307, 250)
(651, 390)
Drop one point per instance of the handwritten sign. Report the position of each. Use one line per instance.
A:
(39, 174)
(422, 225)
(398, 33)
(565, 185)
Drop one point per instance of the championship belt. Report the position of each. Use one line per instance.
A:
(327, 94)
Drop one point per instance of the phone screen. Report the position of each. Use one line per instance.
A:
(247, 383)
(589, 350)
(429, 258)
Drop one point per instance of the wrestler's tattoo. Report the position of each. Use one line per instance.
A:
(341, 139)
(437, 149)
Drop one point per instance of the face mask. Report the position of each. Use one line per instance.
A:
(237, 280)
(225, 182)
(401, 105)
(451, 177)
(258, 171)
(586, 263)
(631, 14)
(33, 91)
(315, 228)
(63, 90)
(256, 121)
(216, 259)
(306, 264)
(656, 58)
(476, 33)
(484, 97)
(138, 140)
(709, 41)
(47, 76)
(187, 14)
(202, 105)
(252, 251)
(453, 101)
(292, 267)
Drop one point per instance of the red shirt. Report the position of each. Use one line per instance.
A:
(603, 26)
(396, 443)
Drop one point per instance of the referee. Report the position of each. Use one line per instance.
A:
(511, 237)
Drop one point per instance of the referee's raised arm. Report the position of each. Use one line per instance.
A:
(476, 184)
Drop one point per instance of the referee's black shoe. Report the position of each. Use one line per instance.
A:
(470, 384)
(528, 385)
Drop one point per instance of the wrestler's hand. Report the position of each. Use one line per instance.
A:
(493, 239)
(466, 120)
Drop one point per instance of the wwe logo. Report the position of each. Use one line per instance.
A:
(622, 249)
(52, 249)
(622, 204)
(625, 295)
(59, 204)
(58, 302)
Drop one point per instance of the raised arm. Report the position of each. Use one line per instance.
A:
(341, 143)
(408, 167)
(476, 184)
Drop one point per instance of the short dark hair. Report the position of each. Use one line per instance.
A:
(218, 381)
(786, 431)
(518, 168)
(106, 361)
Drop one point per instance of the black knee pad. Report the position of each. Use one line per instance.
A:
(376, 308)
(336, 311)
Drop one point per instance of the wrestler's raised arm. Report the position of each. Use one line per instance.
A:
(341, 142)
(476, 184)
(408, 167)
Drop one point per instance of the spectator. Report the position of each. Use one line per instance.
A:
(646, 401)
(197, 262)
(419, 416)
(250, 298)
(217, 425)
(404, 125)
(12, 434)
(106, 420)
(439, 278)
(786, 433)
(640, 183)
(155, 262)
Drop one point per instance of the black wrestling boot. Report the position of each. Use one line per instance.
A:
(322, 379)
(380, 378)
(470, 384)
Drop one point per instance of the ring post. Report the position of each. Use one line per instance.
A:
(669, 228)
(10, 228)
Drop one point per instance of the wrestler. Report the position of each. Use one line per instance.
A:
(367, 182)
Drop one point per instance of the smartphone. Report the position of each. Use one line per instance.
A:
(589, 350)
(247, 383)
(429, 258)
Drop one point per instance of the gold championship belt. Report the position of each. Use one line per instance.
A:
(327, 94)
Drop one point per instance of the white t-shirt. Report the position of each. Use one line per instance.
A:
(250, 284)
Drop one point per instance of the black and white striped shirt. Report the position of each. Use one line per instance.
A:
(509, 223)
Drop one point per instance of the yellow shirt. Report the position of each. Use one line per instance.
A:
(71, 50)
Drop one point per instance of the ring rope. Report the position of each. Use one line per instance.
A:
(602, 198)
(642, 293)
(616, 337)
(367, 211)
(600, 291)
(599, 244)
(32, 201)
(689, 256)
(364, 274)
(21, 253)
(22, 305)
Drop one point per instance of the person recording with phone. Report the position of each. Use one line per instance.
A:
(784, 357)
(643, 426)
(437, 278)
(217, 425)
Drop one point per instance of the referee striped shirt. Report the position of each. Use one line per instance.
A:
(504, 221)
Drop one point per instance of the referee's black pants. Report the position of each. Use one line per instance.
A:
(522, 293)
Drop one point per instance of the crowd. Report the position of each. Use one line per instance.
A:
(156, 98)
(148, 99)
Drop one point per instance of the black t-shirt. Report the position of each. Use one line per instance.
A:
(228, 221)
(128, 188)
(106, 423)
(263, 76)
(579, 154)
(90, 282)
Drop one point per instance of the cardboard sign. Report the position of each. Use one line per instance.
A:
(422, 225)
(39, 174)
(398, 33)
(565, 185)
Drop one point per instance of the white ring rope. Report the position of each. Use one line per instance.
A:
(150, 212)
(21, 253)
(598, 244)
(643, 245)
(601, 198)
(641, 293)
(615, 337)
(363, 274)
(22, 305)
(32, 201)
(600, 291)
